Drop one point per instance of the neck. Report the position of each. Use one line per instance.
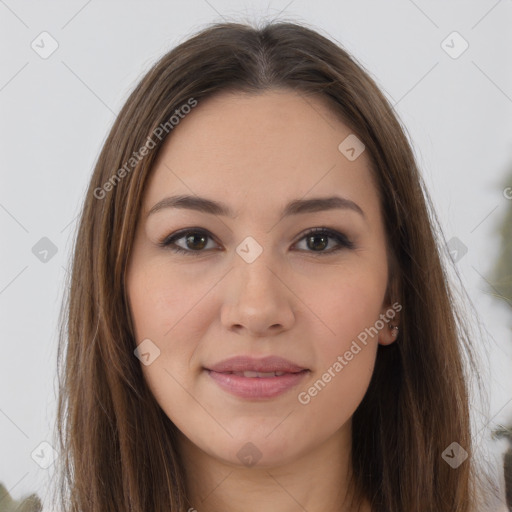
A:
(314, 481)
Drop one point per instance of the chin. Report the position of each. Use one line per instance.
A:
(262, 451)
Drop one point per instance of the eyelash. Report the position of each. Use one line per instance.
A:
(168, 242)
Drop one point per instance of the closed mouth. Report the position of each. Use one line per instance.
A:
(259, 375)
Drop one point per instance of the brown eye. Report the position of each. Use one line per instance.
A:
(194, 241)
(317, 242)
(318, 239)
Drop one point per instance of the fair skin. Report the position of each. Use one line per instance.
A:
(296, 300)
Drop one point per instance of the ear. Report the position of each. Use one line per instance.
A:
(390, 316)
(390, 313)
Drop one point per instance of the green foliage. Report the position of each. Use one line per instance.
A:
(31, 503)
(501, 275)
(501, 280)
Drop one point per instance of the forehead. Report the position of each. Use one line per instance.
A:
(278, 144)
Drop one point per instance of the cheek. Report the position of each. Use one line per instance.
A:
(168, 308)
(347, 303)
(345, 355)
(162, 300)
(163, 309)
(330, 398)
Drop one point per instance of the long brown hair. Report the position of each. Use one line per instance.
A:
(118, 448)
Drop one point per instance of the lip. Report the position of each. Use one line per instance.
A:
(256, 387)
(265, 364)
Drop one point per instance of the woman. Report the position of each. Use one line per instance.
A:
(258, 315)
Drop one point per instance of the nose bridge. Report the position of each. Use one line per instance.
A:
(253, 264)
(257, 299)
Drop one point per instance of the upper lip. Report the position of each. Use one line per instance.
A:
(247, 363)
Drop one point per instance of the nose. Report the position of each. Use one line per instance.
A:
(257, 301)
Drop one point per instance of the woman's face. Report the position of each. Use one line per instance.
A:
(253, 285)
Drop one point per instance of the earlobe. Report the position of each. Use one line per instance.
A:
(391, 330)
(389, 334)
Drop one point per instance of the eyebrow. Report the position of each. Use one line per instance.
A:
(298, 206)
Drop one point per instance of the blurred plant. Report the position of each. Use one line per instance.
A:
(501, 274)
(501, 280)
(31, 503)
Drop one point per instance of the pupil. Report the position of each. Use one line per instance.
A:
(191, 237)
(323, 237)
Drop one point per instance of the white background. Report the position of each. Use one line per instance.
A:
(56, 112)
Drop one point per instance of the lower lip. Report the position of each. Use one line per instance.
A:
(256, 387)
